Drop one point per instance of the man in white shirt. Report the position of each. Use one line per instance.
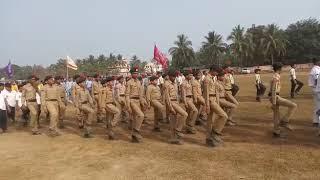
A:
(10, 97)
(3, 111)
(261, 89)
(313, 83)
(294, 81)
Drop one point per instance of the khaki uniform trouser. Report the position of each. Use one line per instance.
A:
(231, 98)
(137, 116)
(34, 114)
(215, 124)
(62, 110)
(159, 108)
(192, 113)
(276, 112)
(177, 122)
(113, 116)
(121, 106)
(98, 108)
(229, 106)
(87, 115)
(53, 110)
(200, 106)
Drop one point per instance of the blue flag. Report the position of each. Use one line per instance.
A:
(9, 70)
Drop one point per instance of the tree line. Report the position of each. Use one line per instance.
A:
(257, 45)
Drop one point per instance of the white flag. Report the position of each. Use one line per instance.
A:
(71, 64)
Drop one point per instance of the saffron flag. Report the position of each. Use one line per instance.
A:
(9, 70)
(160, 57)
(71, 64)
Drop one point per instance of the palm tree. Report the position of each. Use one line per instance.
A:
(274, 42)
(182, 54)
(239, 46)
(214, 46)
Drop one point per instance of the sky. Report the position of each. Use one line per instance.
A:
(42, 31)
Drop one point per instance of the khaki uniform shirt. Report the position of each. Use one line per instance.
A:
(134, 90)
(209, 89)
(227, 81)
(74, 92)
(153, 93)
(221, 89)
(275, 87)
(62, 92)
(108, 95)
(50, 93)
(96, 86)
(83, 96)
(171, 93)
(120, 90)
(186, 90)
(28, 93)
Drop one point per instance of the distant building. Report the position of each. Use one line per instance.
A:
(152, 67)
(119, 67)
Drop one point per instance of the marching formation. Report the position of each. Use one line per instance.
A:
(183, 100)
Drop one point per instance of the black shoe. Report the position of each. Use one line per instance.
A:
(211, 143)
(111, 136)
(135, 139)
(176, 141)
(86, 135)
(36, 133)
(191, 131)
(198, 123)
(156, 129)
(277, 135)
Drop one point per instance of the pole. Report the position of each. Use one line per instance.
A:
(67, 73)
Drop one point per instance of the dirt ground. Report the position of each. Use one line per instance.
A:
(249, 151)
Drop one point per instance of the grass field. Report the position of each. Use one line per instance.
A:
(249, 151)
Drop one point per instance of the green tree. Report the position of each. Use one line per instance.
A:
(304, 38)
(239, 44)
(213, 47)
(274, 42)
(182, 53)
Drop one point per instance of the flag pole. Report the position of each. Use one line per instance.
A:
(67, 71)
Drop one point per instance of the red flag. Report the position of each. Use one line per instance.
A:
(160, 57)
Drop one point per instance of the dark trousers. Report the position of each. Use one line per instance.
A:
(12, 113)
(25, 115)
(294, 88)
(234, 89)
(3, 120)
(261, 89)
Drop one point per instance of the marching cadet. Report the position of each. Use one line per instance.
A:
(50, 100)
(29, 96)
(120, 89)
(228, 86)
(134, 102)
(84, 104)
(197, 94)
(166, 80)
(224, 103)
(277, 101)
(75, 88)
(187, 98)
(214, 125)
(96, 88)
(63, 103)
(74, 91)
(109, 104)
(180, 115)
(153, 97)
